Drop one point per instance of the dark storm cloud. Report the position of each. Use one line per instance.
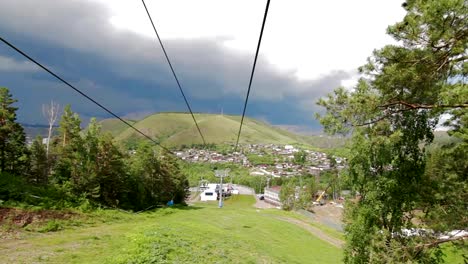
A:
(10, 65)
(129, 72)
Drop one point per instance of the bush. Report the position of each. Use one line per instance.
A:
(51, 226)
(16, 192)
(12, 187)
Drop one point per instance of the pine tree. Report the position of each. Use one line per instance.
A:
(111, 172)
(85, 157)
(145, 171)
(392, 113)
(39, 162)
(175, 182)
(69, 126)
(13, 151)
(68, 163)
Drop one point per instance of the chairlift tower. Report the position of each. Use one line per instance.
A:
(221, 174)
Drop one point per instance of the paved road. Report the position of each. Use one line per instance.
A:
(249, 191)
(244, 189)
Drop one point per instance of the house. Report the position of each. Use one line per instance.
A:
(271, 195)
(209, 195)
(210, 192)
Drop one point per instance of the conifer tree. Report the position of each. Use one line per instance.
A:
(110, 172)
(392, 114)
(39, 162)
(13, 151)
(67, 166)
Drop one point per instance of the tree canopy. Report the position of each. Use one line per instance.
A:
(13, 152)
(405, 91)
(84, 167)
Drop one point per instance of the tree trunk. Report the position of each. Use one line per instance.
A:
(48, 139)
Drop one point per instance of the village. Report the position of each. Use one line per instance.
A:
(267, 159)
(264, 160)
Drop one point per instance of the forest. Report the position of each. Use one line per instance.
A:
(82, 168)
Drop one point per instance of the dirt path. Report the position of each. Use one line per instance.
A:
(262, 204)
(315, 231)
(194, 197)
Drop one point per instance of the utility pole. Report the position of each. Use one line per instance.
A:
(221, 174)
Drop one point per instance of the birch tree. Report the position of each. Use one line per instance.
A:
(50, 112)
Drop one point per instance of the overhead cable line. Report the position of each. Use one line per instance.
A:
(252, 74)
(82, 93)
(173, 73)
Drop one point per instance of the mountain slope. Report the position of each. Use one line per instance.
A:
(175, 129)
(114, 126)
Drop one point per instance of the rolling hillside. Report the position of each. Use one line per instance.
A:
(175, 129)
(114, 126)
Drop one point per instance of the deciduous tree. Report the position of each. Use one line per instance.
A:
(50, 111)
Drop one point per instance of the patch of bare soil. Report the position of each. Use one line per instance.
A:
(12, 219)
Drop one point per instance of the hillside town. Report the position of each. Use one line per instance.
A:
(270, 159)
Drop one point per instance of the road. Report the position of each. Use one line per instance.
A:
(244, 189)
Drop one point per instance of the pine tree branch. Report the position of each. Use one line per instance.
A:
(409, 106)
(441, 241)
(423, 106)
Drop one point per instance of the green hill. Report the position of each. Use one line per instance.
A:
(175, 129)
(114, 126)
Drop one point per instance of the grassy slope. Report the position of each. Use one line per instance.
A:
(114, 126)
(178, 128)
(238, 233)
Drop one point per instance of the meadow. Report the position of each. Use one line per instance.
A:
(201, 233)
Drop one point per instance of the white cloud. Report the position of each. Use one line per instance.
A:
(311, 38)
(10, 65)
(309, 47)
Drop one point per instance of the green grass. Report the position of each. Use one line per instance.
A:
(454, 255)
(114, 126)
(203, 233)
(237, 233)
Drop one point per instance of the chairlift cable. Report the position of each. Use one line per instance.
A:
(252, 74)
(82, 93)
(174, 74)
